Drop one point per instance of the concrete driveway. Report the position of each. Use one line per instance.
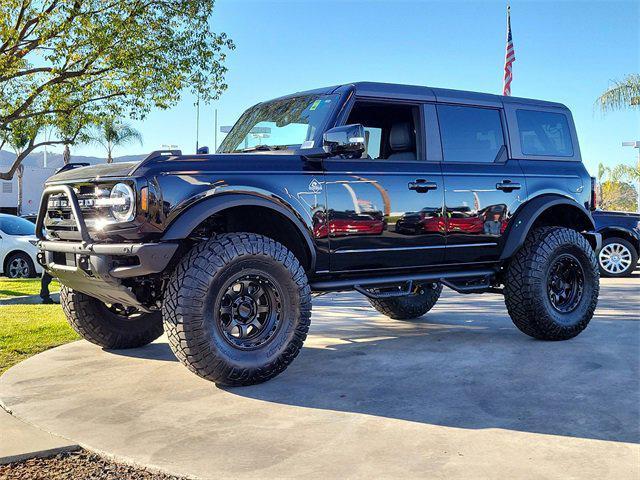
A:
(460, 394)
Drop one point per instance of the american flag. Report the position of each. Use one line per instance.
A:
(509, 58)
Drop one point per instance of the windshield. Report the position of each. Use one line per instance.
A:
(291, 122)
(16, 226)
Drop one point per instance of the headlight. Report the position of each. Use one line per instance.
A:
(122, 201)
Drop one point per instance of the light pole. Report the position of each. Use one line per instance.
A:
(215, 130)
(636, 145)
(197, 123)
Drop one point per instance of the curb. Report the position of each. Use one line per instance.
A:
(25, 441)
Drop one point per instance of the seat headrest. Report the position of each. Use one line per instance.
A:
(401, 137)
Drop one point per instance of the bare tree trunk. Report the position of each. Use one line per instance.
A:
(66, 156)
(20, 175)
(109, 158)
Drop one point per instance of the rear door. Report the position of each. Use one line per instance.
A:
(383, 209)
(483, 186)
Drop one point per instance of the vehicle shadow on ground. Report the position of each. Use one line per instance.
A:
(463, 365)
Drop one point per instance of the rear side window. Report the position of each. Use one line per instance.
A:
(470, 134)
(544, 133)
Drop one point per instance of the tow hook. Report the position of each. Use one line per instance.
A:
(83, 263)
(40, 258)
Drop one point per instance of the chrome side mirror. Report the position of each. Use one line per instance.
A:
(347, 140)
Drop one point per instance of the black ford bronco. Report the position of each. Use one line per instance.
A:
(389, 190)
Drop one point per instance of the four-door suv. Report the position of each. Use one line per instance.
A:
(224, 251)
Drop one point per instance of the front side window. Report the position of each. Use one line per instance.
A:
(16, 226)
(294, 122)
(544, 133)
(390, 130)
(470, 134)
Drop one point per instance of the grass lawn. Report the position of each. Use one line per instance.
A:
(14, 287)
(29, 329)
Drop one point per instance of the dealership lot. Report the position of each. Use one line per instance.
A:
(460, 393)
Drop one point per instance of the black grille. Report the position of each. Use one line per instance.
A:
(60, 222)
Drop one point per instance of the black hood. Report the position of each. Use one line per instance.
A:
(104, 170)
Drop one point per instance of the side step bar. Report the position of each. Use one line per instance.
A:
(447, 278)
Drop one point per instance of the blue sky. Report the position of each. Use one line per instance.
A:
(566, 51)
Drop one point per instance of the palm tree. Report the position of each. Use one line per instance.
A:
(621, 94)
(66, 154)
(112, 133)
(20, 173)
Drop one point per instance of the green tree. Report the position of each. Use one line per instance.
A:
(614, 192)
(621, 94)
(92, 59)
(111, 134)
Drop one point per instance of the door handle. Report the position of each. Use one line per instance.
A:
(422, 186)
(508, 186)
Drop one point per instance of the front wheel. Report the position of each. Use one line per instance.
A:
(617, 258)
(109, 326)
(552, 284)
(237, 309)
(409, 307)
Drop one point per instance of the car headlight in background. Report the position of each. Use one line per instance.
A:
(121, 202)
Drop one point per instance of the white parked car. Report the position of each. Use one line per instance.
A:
(18, 247)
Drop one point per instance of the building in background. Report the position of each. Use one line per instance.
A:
(35, 175)
(32, 186)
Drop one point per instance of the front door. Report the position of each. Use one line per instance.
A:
(385, 210)
(483, 187)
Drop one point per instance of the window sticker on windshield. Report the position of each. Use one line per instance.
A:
(307, 144)
(315, 105)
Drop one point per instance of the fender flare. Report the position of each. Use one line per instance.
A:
(526, 216)
(194, 215)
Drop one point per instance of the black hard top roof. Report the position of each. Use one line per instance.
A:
(420, 93)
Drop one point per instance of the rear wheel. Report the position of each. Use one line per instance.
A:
(409, 307)
(617, 258)
(552, 284)
(20, 265)
(237, 309)
(109, 326)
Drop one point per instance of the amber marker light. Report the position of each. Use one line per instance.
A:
(144, 199)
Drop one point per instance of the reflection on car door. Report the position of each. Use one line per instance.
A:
(483, 186)
(385, 212)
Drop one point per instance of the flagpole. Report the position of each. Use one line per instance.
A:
(509, 58)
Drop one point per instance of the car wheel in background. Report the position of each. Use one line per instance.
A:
(617, 258)
(20, 265)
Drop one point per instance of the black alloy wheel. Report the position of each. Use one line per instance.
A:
(565, 283)
(249, 310)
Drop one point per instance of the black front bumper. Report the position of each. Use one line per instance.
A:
(98, 269)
